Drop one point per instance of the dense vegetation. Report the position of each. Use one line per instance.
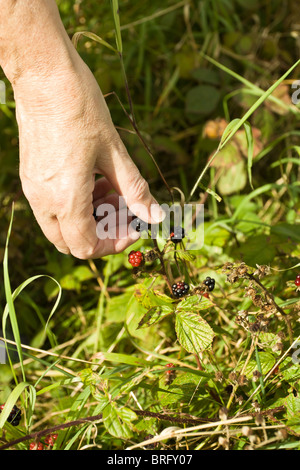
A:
(110, 359)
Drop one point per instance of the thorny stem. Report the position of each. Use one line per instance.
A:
(161, 259)
(89, 419)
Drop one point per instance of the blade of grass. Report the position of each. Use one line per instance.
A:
(249, 137)
(9, 299)
(234, 128)
(92, 36)
(115, 10)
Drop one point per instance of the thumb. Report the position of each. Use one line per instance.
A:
(128, 182)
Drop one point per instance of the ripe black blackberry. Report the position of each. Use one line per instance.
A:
(177, 235)
(139, 225)
(14, 416)
(180, 288)
(209, 283)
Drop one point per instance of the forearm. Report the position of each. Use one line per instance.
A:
(33, 40)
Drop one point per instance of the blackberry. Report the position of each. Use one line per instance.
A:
(180, 288)
(177, 235)
(209, 283)
(135, 258)
(297, 280)
(14, 416)
(139, 225)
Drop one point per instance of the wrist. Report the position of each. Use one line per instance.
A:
(33, 43)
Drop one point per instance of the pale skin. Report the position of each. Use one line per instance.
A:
(66, 133)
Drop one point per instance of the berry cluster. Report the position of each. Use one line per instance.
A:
(14, 416)
(177, 235)
(297, 280)
(209, 283)
(168, 370)
(36, 446)
(170, 374)
(50, 440)
(135, 258)
(180, 288)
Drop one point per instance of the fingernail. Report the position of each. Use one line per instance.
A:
(157, 214)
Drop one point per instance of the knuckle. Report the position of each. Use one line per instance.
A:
(140, 188)
(85, 253)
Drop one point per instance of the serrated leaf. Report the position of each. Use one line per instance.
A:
(154, 315)
(118, 421)
(292, 404)
(193, 332)
(182, 389)
(194, 303)
(149, 298)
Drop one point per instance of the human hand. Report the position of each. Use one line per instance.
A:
(66, 137)
(66, 134)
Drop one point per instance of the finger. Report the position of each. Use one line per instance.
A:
(126, 179)
(51, 229)
(115, 225)
(102, 187)
(108, 203)
(76, 221)
(114, 234)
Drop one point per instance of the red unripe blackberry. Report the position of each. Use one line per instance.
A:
(170, 365)
(135, 258)
(177, 235)
(297, 280)
(36, 446)
(180, 288)
(49, 440)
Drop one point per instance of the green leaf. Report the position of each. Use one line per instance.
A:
(285, 231)
(267, 361)
(193, 332)
(194, 303)
(181, 390)
(118, 421)
(201, 99)
(233, 179)
(292, 404)
(154, 315)
(117, 307)
(256, 250)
